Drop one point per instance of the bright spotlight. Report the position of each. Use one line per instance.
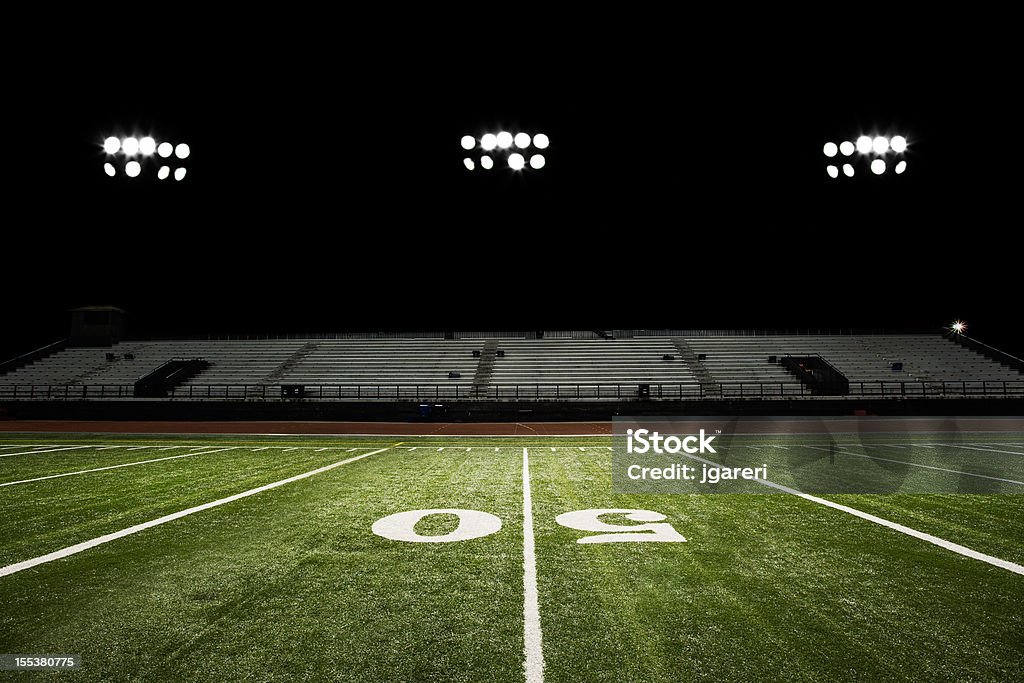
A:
(848, 170)
(486, 163)
(958, 326)
(179, 173)
(880, 144)
(468, 163)
(147, 145)
(165, 149)
(537, 161)
(846, 148)
(108, 168)
(130, 147)
(540, 141)
(468, 142)
(522, 140)
(900, 167)
(898, 144)
(878, 167)
(516, 161)
(833, 172)
(111, 145)
(132, 169)
(830, 149)
(863, 144)
(504, 139)
(489, 141)
(182, 151)
(163, 172)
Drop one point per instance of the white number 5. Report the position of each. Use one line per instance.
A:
(589, 520)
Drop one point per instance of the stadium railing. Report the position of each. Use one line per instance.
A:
(519, 392)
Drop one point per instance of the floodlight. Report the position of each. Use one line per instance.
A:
(522, 140)
(863, 144)
(880, 144)
(147, 145)
(958, 326)
(878, 167)
(537, 161)
(179, 173)
(898, 144)
(846, 148)
(489, 141)
(486, 163)
(830, 149)
(504, 139)
(182, 151)
(163, 172)
(833, 172)
(132, 169)
(900, 167)
(111, 145)
(848, 170)
(468, 142)
(468, 163)
(516, 161)
(130, 146)
(540, 141)
(108, 168)
(165, 149)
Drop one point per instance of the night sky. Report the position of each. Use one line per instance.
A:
(685, 183)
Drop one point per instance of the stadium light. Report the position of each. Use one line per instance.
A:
(165, 149)
(179, 173)
(540, 141)
(880, 144)
(182, 151)
(878, 167)
(111, 145)
(130, 147)
(831, 149)
(504, 139)
(108, 168)
(864, 144)
(847, 148)
(489, 141)
(522, 140)
(898, 144)
(132, 169)
(147, 146)
(537, 161)
(958, 326)
(833, 172)
(900, 167)
(468, 163)
(486, 163)
(848, 170)
(516, 161)
(468, 142)
(163, 172)
(501, 144)
(136, 153)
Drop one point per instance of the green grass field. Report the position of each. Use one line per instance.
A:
(292, 583)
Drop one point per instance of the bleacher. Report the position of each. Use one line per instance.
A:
(565, 367)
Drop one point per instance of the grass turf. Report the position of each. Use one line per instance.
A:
(291, 584)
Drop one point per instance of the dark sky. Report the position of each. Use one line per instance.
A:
(685, 184)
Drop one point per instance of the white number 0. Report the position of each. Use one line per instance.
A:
(472, 524)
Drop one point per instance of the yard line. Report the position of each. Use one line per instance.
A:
(100, 540)
(440, 449)
(138, 448)
(290, 449)
(533, 661)
(582, 448)
(988, 450)
(350, 450)
(49, 450)
(935, 540)
(552, 450)
(495, 450)
(113, 467)
(469, 449)
(257, 450)
(412, 448)
(927, 467)
(319, 450)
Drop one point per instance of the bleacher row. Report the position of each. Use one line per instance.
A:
(673, 367)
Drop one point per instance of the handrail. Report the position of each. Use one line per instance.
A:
(25, 358)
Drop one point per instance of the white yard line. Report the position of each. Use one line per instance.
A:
(113, 467)
(935, 540)
(927, 467)
(62, 449)
(86, 545)
(533, 660)
(987, 450)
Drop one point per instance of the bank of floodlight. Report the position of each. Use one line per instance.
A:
(136, 152)
(875, 153)
(510, 143)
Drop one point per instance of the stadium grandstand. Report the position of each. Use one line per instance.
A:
(544, 366)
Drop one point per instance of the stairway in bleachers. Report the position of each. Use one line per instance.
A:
(703, 375)
(484, 369)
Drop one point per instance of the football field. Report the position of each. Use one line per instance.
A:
(252, 558)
